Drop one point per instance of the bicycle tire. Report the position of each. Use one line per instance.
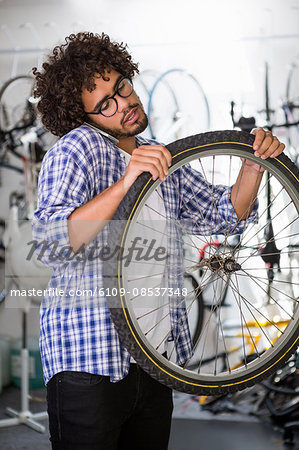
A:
(290, 83)
(143, 84)
(17, 113)
(216, 143)
(291, 108)
(204, 119)
(282, 394)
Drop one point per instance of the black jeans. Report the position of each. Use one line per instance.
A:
(88, 412)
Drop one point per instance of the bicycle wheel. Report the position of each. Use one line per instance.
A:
(177, 106)
(293, 84)
(15, 108)
(143, 84)
(18, 113)
(282, 398)
(259, 329)
(291, 109)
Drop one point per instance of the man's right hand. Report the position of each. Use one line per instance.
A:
(155, 159)
(86, 221)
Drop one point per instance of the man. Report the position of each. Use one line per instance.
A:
(98, 398)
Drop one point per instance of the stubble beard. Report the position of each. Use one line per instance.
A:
(140, 125)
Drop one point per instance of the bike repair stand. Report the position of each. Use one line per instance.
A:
(24, 416)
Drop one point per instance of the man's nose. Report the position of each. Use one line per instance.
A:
(123, 103)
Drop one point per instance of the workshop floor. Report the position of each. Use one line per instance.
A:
(192, 428)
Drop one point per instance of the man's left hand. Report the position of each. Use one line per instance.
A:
(265, 144)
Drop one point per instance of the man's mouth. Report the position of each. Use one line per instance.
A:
(132, 116)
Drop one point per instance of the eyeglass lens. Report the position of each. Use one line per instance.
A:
(124, 89)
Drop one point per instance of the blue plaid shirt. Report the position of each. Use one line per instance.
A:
(75, 335)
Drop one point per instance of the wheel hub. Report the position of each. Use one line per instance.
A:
(228, 265)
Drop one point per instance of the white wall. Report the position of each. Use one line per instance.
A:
(223, 43)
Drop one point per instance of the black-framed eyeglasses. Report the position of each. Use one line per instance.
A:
(109, 106)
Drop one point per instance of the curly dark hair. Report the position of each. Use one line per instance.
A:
(70, 67)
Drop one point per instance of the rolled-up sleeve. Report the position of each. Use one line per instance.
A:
(207, 209)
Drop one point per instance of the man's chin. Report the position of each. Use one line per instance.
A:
(136, 128)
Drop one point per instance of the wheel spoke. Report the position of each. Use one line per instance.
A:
(272, 298)
(246, 303)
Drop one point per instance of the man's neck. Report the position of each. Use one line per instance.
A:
(127, 144)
